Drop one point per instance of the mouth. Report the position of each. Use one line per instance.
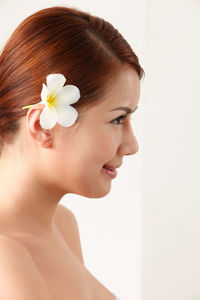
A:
(112, 167)
(110, 171)
(109, 167)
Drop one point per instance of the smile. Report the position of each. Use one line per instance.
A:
(112, 173)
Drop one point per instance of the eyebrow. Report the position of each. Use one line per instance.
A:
(126, 109)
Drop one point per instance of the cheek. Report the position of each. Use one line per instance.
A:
(108, 142)
(85, 151)
(75, 166)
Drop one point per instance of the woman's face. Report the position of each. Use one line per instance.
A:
(98, 137)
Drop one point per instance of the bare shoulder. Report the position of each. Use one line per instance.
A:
(68, 226)
(20, 278)
(63, 209)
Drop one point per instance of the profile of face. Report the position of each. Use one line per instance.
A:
(73, 162)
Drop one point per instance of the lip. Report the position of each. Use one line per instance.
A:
(113, 167)
(111, 173)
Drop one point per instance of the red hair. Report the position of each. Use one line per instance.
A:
(86, 49)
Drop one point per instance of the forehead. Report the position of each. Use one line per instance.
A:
(123, 90)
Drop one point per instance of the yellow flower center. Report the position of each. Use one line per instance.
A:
(51, 100)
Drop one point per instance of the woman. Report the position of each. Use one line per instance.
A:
(80, 80)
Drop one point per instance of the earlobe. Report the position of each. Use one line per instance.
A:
(39, 134)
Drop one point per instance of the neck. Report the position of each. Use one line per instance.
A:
(27, 203)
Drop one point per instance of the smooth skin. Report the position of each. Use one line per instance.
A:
(19, 277)
(44, 165)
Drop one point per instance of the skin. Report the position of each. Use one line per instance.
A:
(44, 165)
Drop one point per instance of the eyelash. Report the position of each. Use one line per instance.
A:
(122, 117)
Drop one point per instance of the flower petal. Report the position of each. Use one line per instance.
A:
(67, 115)
(44, 94)
(48, 117)
(69, 94)
(55, 82)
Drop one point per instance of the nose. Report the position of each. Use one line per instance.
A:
(129, 145)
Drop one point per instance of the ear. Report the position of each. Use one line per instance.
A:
(41, 135)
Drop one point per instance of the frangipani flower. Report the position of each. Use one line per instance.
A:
(57, 99)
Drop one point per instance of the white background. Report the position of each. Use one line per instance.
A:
(142, 240)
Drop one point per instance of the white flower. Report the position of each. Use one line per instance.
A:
(57, 99)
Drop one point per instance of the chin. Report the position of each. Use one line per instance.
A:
(98, 193)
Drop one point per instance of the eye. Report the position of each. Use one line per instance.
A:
(118, 120)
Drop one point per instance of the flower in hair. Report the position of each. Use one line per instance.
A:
(57, 99)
